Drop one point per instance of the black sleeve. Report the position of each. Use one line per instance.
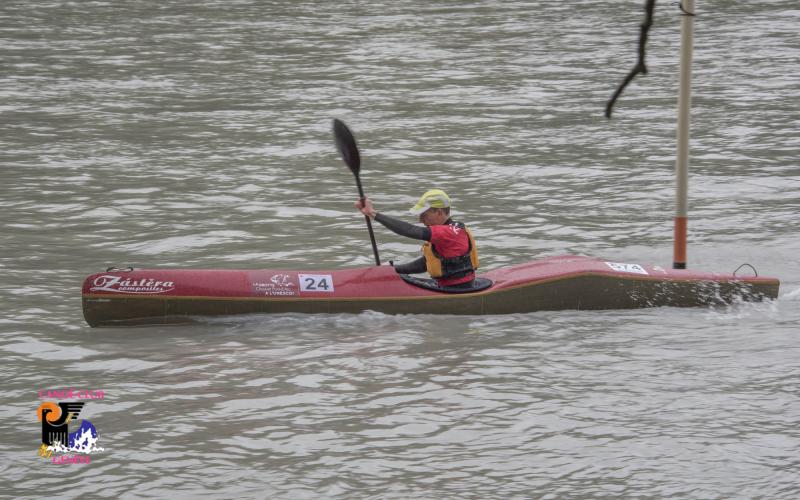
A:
(413, 267)
(404, 228)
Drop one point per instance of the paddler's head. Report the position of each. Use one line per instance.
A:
(433, 208)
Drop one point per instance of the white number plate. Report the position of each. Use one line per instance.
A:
(316, 282)
(626, 268)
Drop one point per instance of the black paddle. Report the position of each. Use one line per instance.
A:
(349, 150)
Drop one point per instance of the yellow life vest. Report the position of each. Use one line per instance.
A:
(451, 267)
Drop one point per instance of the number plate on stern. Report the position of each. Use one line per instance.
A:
(626, 268)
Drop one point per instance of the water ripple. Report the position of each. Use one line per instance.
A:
(160, 135)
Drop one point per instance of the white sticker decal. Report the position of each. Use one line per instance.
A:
(278, 285)
(316, 282)
(627, 268)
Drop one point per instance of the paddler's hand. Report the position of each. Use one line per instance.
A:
(366, 208)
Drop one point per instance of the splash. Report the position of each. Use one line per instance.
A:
(741, 308)
(794, 294)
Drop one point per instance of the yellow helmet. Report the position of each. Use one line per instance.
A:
(435, 198)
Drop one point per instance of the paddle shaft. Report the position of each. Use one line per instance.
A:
(369, 222)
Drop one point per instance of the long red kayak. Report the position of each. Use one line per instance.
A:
(124, 297)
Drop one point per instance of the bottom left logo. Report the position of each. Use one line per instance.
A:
(60, 445)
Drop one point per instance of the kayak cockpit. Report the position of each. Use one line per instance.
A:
(478, 284)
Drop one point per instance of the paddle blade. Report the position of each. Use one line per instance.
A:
(346, 144)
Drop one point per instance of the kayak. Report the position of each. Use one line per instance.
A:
(129, 297)
(124, 297)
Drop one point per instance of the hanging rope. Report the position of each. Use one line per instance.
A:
(748, 265)
(649, 7)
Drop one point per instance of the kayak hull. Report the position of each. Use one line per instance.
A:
(166, 296)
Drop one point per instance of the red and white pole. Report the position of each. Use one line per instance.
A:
(684, 122)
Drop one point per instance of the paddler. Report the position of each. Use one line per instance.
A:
(449, 253)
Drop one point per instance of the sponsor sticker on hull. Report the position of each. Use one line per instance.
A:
(120, 284)
(278, 285)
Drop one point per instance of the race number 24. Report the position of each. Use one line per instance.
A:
(316, 282)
